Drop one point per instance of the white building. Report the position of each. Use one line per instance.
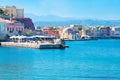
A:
(3, 30)
(3, 27)
(115, 31)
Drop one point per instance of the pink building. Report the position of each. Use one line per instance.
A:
(48, 31)
(15, 28)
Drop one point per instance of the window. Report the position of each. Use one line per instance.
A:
(0, 27)
(11, 30)
(8, 29)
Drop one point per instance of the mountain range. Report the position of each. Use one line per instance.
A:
(52, 20)
(47, 18)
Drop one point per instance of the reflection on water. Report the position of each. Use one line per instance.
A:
(82, 61)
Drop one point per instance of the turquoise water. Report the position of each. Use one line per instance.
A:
(83, 60)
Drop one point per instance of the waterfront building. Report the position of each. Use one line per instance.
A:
(105, 32)
(87, 31)
(12, 27)
(3, 31)
(51, 31)
(115, 31)
(71, 33)
(93, 31)
(15, 28)
(2, 27)
(83, 32)
(61, 32)
(13, 12)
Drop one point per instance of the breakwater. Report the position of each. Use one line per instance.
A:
(26, 45)
(34, 45)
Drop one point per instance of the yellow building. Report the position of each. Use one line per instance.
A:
(13, 12)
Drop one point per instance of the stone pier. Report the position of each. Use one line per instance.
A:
(33, 45)
(26, 45)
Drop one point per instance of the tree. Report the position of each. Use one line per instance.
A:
(27, 32)
(79, 27)
(1, 13)
(52, 28)
(6, 12)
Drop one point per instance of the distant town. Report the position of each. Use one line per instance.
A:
(13, 22)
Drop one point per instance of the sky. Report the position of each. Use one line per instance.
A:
(84, 9)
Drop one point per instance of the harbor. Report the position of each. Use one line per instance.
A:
(81, 60)
(59, 40)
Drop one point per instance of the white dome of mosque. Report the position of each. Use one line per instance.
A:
(67, 29)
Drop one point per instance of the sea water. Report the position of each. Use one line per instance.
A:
(83, 60)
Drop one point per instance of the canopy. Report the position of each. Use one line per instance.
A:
(20, 37)
(44, 36)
